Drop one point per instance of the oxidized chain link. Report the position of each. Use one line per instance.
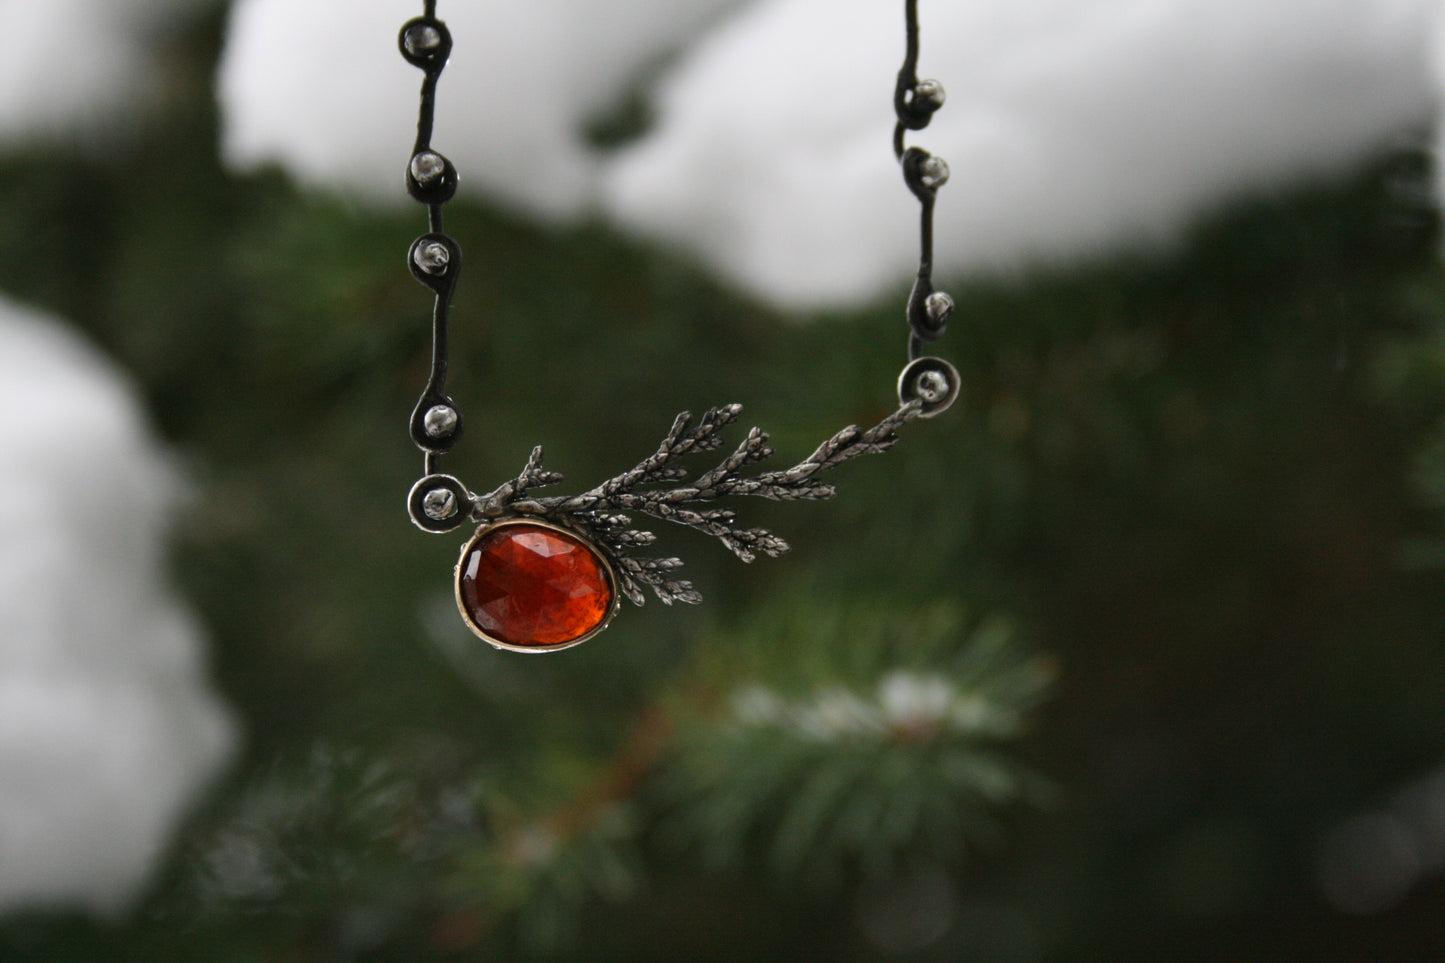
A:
(915, 102)
(507, 581)
(435, 260)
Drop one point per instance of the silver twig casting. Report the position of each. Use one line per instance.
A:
(593, 513)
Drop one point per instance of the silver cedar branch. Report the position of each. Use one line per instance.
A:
(598, 512)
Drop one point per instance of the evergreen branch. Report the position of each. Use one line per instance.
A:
(652, 572)
(594, 512)
(828, 769)
(531, 476)
(845, 446)
(678, 442)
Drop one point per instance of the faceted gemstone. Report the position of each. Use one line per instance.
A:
(528, 585)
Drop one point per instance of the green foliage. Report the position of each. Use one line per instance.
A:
(540, 876)
(854, 738)
(1409, 377)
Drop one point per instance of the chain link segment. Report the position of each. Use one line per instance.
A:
(437, 503)
(933, 381)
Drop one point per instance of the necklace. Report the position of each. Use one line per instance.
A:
(545, 574)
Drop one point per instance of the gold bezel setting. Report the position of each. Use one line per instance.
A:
(604, 563)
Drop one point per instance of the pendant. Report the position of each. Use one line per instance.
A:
(545, 574)
(527, 585)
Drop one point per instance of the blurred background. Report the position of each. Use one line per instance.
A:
(1137, 653)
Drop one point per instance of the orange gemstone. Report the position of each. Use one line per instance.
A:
(531, 586)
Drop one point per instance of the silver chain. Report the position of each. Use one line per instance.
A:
(915, 101)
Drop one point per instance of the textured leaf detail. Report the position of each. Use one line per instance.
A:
(662, 489)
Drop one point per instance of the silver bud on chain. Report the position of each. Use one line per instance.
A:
(440, 421)
(931, 382)
(939, 307)
(930, 91)
(439, 504)
(433, 258)
(427, 167)
(933, 172)
(932, 387)
(422, 39)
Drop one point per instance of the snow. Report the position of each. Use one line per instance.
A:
(108, 726)
(1437, 76)
(71, 67)
(321, 89)
(1074, 130)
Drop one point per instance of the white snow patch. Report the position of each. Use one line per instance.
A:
(1072, 129)
(108, 726)
(78, 66)
(321, 89)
